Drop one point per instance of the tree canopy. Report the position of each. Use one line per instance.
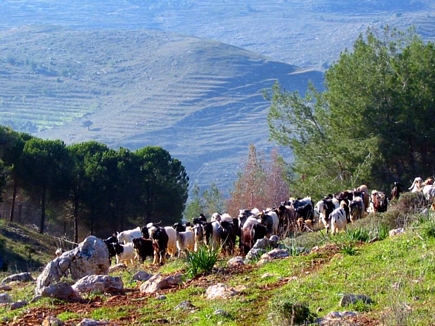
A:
(96, 189)
(372, 123)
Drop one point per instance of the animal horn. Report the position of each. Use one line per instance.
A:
(412, 186)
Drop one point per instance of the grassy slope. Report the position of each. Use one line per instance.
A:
(397, 273)
(24, 249)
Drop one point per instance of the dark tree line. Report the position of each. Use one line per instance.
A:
(96, 189)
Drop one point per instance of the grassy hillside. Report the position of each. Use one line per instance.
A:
(395, 272)
(23, 249)
(200, 100)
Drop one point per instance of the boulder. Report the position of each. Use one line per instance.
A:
(21, 277)
(91, 257)
(5, 298)
(61, 291)
(98, 284)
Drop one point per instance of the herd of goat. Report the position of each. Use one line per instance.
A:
(222, 231)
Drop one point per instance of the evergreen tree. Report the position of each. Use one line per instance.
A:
(370, 126)
(164, 185)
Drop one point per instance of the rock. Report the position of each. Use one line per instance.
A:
(220, 290)
(186, 305)
(274, 239)
(348, 299)
(61, 290)
(395, 232)
(5, 298)
(142, 276)
(91, 322)
(158, 282)
(235, 262)
(275, 254)
(18, 304)
(52, 321)
(117, 268)
(91, 257)
(220, 312)
(99, 284)
(21, 277)
(5, 288)
(254, 254)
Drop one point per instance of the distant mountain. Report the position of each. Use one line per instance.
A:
(201, 100)
(307, 33)
(185, 75)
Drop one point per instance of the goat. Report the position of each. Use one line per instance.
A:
(128, 235)
(144, 248)
(124, 253)
(417, 185)
(185, 241)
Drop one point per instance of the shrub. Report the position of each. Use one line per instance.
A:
(201, 261)
(286, 312)
(359, 234)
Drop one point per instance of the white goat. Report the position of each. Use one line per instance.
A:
(417, 185)
(185, 241)
(128, 235)
(126, 254)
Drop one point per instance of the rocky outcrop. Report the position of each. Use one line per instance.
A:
(91, 257)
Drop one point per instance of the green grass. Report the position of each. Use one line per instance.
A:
(397, 273)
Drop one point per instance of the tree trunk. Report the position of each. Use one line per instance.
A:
(14, 196)
(43, 199)
(76, 218)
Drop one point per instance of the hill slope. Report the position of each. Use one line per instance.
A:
(200, 100)
(300, 32)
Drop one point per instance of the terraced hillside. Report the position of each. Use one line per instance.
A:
(308, 33)
(119, 65)
(201, 100)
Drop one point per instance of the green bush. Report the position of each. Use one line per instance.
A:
(201, 261)
(359, 234)
(286, 312)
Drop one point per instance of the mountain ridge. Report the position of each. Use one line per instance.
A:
(199, 99)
